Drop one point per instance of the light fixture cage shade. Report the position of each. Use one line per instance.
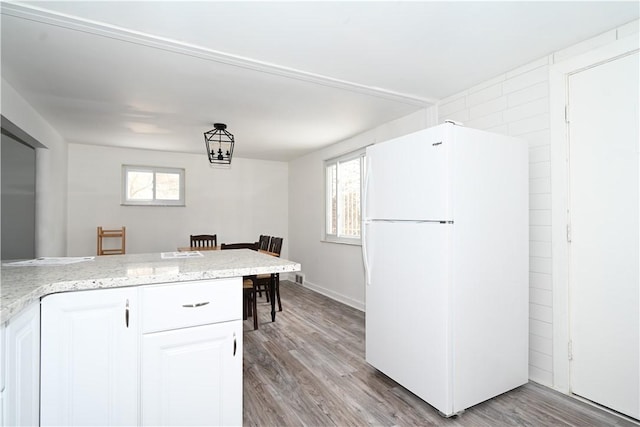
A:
(219, 144)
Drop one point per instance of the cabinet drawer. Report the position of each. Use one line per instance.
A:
(181, 305)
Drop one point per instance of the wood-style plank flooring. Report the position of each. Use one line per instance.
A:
(308, 369)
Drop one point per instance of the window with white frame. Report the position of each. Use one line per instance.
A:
(152, 186)
(344, 177)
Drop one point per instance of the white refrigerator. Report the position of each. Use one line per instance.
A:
(445, 248)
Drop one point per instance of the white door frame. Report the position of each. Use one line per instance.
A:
(558, 91)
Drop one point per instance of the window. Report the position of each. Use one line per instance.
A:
(344, 178)
(152, 186)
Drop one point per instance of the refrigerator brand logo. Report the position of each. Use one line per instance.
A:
(437, 143)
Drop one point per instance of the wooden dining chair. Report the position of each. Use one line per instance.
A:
(276, 245)
(263, 242)
(264, 280)
(263, 245)
(253, 246)
(249, 285)
(203, 240)
(118, 233)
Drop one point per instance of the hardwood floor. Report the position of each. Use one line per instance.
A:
(308, 369)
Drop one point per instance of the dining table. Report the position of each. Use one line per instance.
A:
(217, 248)
(273, 282)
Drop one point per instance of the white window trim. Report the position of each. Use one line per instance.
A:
(154, 170)
(332, 238)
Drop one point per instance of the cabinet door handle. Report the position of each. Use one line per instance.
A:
(198, 304)
(126, 314)
(235, 344)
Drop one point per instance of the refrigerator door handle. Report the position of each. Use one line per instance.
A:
(365, 259)
(365, 190)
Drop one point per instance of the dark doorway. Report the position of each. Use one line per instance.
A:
(18, 203)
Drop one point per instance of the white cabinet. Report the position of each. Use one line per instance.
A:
(191, 366)
(151, 355)
(3, 368)
(90, 358)
(20, 364)
(189, 376)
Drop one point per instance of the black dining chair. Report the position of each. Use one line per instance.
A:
(264, 280)
(203, 240)
(253, 246)
(249, 285)
(263, 242)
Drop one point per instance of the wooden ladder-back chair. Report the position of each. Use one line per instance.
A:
(118, 233)
(249, 285)
(253, 246)
(276, 245)
(203, 240)
(264, 280)
(263, 242)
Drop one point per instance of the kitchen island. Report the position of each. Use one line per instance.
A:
(141, 339)
(20, 286)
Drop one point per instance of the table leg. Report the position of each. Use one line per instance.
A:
(272, 294)
(278, 292)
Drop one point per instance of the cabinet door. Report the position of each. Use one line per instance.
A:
(89, 358)
(193, 376)
(22, 362)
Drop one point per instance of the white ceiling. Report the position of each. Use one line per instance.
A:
(286, 77)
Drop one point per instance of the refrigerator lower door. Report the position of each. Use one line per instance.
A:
(407, 317)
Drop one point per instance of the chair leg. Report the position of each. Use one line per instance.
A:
(245, 302)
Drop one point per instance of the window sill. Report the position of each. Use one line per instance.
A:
(338, 240)
(154, 204)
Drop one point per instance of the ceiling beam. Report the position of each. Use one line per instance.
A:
(74, 23)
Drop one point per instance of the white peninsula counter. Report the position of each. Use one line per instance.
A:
(140, 339)
(22, 285)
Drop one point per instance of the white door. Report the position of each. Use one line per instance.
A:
(89, 358)
(190, 376)
(604, 221)
(21, 388)
(407, 313)
(407, 178)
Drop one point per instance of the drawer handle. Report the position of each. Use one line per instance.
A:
(235, 345)
(126, 314)
(198, 304)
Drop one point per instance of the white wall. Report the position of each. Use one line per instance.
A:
(237, 204)
(517, 103)
(51, 173)
(333, 269)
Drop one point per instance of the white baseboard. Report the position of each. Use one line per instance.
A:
(358, 305)
(290, 276)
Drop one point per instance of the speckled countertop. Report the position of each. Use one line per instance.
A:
(22, 285)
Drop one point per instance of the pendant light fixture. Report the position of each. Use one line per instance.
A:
(219, 144)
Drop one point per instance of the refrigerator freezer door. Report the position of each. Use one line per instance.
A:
(407, 178)
(407, 319)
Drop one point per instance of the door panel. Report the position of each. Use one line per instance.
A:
(190, 376)
(407, 319)
(391, 171)
(604, 251)
(22, 392)
(89, 358)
